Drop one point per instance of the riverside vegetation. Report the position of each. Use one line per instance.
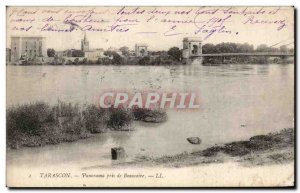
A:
(39, 124)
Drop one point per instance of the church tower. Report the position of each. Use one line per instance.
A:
(85, 44)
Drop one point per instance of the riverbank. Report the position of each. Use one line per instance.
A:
(273, 148)
(207, 61)
(121, 61)
(39, 124)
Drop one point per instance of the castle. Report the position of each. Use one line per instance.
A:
(32, 47)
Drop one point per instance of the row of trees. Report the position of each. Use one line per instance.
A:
(241, 48)
(79, 53)
(173, 55)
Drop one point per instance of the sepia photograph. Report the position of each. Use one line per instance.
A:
(150, 96)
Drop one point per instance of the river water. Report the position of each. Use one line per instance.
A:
(236, 102)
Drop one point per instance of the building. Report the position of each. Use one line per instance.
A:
(70, 52)
(85, 45)
(61, 54)
(27, 48)
(141, 50)
(93, 55)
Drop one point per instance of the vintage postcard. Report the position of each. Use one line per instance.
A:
(133, 96)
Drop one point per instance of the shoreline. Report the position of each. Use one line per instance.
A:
(271, 149)
(167, 64)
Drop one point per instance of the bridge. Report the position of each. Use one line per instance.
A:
(283, 55)
(247, 54)
(192, 49)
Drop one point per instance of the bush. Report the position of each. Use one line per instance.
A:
(144, 61)
(119, 118)
(28, 119)
(50, 52)
(175, 53)
(95, 119)
(99, 61)
(116, 58)
(39, 124)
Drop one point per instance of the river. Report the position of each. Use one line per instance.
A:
(236, 102)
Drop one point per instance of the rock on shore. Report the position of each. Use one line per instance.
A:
(194, 140)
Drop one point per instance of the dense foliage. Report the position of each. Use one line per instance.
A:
(39, 123)
(50, 52)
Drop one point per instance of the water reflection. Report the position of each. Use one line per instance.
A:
(262, 69)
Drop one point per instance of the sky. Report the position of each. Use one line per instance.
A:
(159, 27)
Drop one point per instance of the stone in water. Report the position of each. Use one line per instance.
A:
(194, 140)
(117, 153)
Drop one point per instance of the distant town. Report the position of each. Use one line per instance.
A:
(32, 51)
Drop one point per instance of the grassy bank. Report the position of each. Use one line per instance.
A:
(39, 124)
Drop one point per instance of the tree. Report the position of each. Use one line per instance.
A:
(125, 50)
(244, 48)
(208, 49)
(116, 58)
(291, 50)
(144, 61)
(175, 53)
(283, 48)
(262, 48)
(50, 52)
(225, 47)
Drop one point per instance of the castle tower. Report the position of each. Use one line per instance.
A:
(85, 44)
(29, 47)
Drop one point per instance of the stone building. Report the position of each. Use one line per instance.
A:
(141, 50)
(27, 48)
(93, 55)
(192, 47)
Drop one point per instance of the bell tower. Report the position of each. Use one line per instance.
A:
(85, 44)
